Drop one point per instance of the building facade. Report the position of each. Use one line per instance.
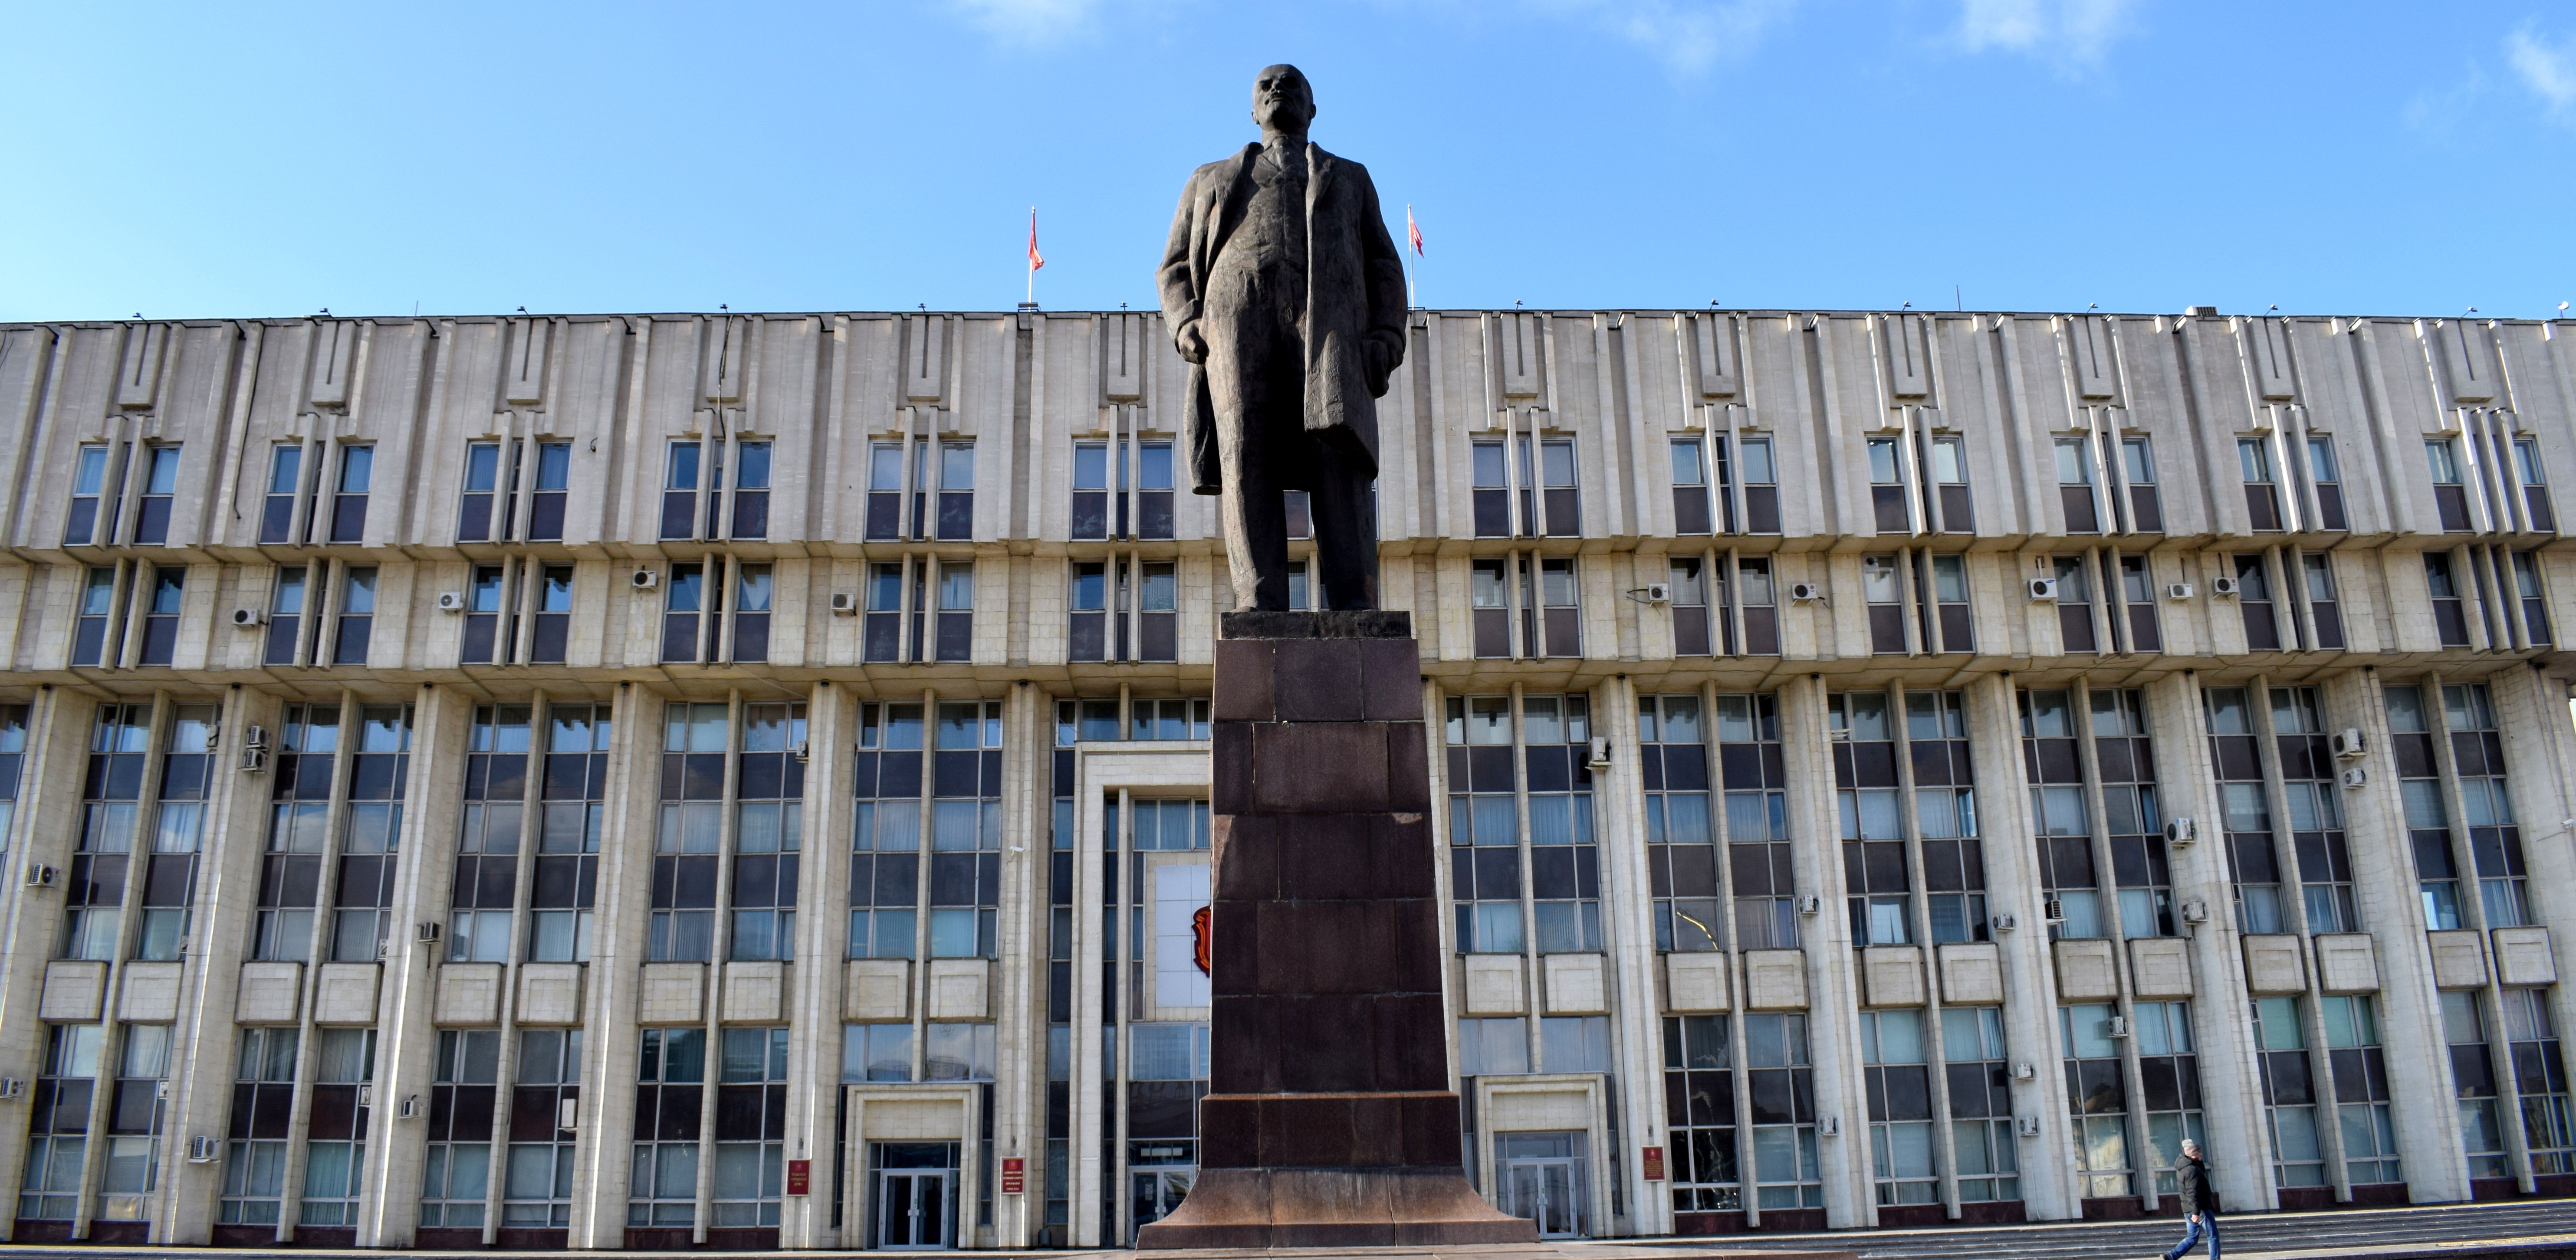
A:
(1901, 767)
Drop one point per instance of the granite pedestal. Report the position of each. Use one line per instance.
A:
(1329, 1120)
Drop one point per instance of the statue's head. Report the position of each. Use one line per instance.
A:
(1282, 100)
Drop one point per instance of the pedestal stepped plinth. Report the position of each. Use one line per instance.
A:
(1329, 1120)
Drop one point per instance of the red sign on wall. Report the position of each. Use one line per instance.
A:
(800, 1176)
(1654, 1163)
(1014, 1173)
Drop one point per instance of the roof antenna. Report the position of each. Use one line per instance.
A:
(722, 307)
(523, 310)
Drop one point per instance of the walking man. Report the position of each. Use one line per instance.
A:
(2199, 1202)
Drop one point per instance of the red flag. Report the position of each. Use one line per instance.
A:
(1036, 259)
(1411, 229)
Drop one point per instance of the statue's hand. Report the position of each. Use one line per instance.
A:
(1193, 347)
(1380, 358)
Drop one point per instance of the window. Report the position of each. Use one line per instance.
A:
(2255, 605)
(1754, 779)
(285, 616)
(751, 1128)
(57, 1132)
(956, 491)
(680, 491)
(84, 525)
(1873, 832)
(554, 486)
(686, 848)
(670, 1073)
(876, 1052)
(1945, 816)
(2262, 496)
(2169, 1069)
(2289, 1094)
(2363, 1112)
(13, 755)
(683, 608)
(464, 1095)
(1091, 491)
(2495, 841)
(2323, 474)
(1681, 837)
(1154, 492)
(2450, 615)
(2138, 595)
(1558, 621)
(1761, 615)
(1786, 1171)
(1484, 825)
(132, 1168)
(1882, 589)
(1491, 609)
(1157, 613)
(2325, 612)
(2473, 1077)
(486, 887)
(537, 1188)
(751, 596)
(750, 490)
(1564, 864)
(483, 604)
(2428, 823)
(482, 485)
(262, 1112)
(2535, 487)
(1691, 514)
(2526, 589)
(1949, 460)
(2245, 809)
(1089, 632)
(1689, 591)
(160, 483)
(1761, 487)
(2098, 1101)
(2075, 487)
(1493, 1047)
(2138, 466)
(357, 615)
(1897, 1076)
(570, 811)
(111, 819)
(178, 832)
(370, 840)
(769, 827)
(335, 1146)
(2075, 624)
(1699, 1110)
(2450, 494)
(277, 506)
(1492, 490)
(553, 631)
(885, 836)
(1979, 1076)
(885, 490)
(2540, 1077)
(1559, 498)
(349, 504)
(97, 606)
(299, 815)
(966, 831)
(161, 616)
(1890, 502)
(881, 629)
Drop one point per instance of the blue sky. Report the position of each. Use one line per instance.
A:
(271, 160)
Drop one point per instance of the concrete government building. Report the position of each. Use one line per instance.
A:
(1902, 767)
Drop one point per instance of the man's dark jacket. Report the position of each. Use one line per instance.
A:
(1354, 295)
(2193, 1186)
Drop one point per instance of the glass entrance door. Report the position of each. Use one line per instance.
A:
(1543, 1181)
(912, 1210)
(1157, 1191)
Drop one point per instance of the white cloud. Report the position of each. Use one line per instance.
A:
(1028, 21)
(2548, 68)
(2069, 34)
(1688, 36)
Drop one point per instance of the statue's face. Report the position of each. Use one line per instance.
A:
(1282, 100)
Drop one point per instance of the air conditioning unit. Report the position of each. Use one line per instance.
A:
(2027, 1126)
(2194, 910)
(1810, 904)
(39, 875)
(2223, 587)
(254, 759)
(1659, 593)
(11, 1087)
(249, 618)
(2026, 1071)
(567, 1113)
(2180, 832)
(255, 736)
(2178, 590)
(1600, 753)
(1830, 1126)
(427, 933)
(1805, 592)
(845, 603)
(408, 1108)
(644, 579)
(2043, 590)
(2052, 911)
(2005, 922)
(2119, 1026)
(804, 752)
(2347, 742)
(451, 601)
(366, 1093)
(2355, 776)
(203, 1149)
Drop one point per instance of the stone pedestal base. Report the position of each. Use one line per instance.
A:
(1333, 1207)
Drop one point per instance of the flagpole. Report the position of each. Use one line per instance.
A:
(1033, 257)
(1412, 292)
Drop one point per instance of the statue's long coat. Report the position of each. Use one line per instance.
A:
(1354, 294)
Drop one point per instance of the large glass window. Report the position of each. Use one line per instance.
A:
(262, 1121)
(1981, 1126)
(1699, 1108)
(370, 842)
(686, 843)
(751, 1128)
(1681, 838)
(111, 819)
(1754, 778)
(299, 817)
(1898, 1078)
(1786, 1171)
(769, 827)
(663, 1179)
(544, 1104)
(2245, 809)
(571, 808)
(335, 1147)
(178, 832)
(2097, 1096)
(58, 1122)
(463, 1096)
(885, 834)
(487, 851)
(2289, 1094)
(2363, 1111)
(966, 831)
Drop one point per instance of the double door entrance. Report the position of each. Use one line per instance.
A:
(1544, 1181)
(913, 1206)
(1155, 1193)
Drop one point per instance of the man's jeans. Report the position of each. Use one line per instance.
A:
(2201, 1223)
